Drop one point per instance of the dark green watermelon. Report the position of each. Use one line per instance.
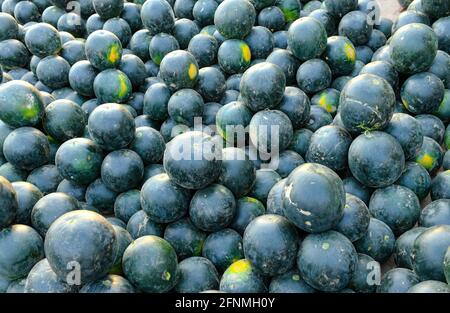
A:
(416, 178)
(159, 271)
(307, 38)
(42, 40)
(184, 30)
(72, 189)
(203, 11)
(443, 112)
(397, 280)
(326, 18)
(440, 29)
(340, 7)
(22, 248)
(179, 69)
(408, 132)
(376, 159)
(204, 48)
(300, 141)
(422, 93)
(211, 84)
(196, 274)
(440, 186)
(313, 76)
(260, 40)
(27, 195)
(156, 99)
(127, 204)
(212, 208)
(314, 198)
(290, 282)
(160, 45)
(140, 225)
(266, 178)
(354, 187)
(9, 203)
(139, 43)
(185, 105)
(53, 71)
(103, 49)
(112, 86)
(9, 26)
(340, 54)
(430, 155)
(157, 16)
(64, 120)
(430, 286)
(235, 18)
(223, 248)
(404, 247)
(328, 99)
(288, 161)
(46, 178)
(185, 238)
(234, 56)
(232, 120)
(242, 277)
(100, 196)
(367, 272)
(326, 261)
(355, 220)
(378, 242)
(13, 53)
(109, 284)
(356, 27)
(432, 127)
(436, 213)
(134, 68)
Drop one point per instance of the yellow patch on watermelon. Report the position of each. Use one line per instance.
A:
(192, 71)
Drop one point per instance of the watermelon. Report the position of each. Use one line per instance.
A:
(157, 16)
(242, 277)
(432, 127)
(290, 282)
(340, 7)
(140, 225)
(185, 238)
(365, 274)
(378, 242)
(42, 40)
(430, 155)
(196, 274)
(404, 247)
(234, 19)
(340, 54)
(356, 27)
(179, 69)
(326, 18)
(355, 220)
(109, 284)
(397, 280)
(430, 286)
(100, 196)
(204, 48)
(307, 38)
(422, 93)
(439, 28)
(440, 186)
(436, 213)
(266, 178)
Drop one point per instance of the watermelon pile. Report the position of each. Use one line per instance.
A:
(187, 146)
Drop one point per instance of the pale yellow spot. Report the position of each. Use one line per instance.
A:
(113, 55)
(192, 72)
(386, 237)
(123, 88)
(325, 246)
(246, 54)
(323, 103)
(240, 266)
(406, 104)
(167, 276)
(252, 200)
(296, 277)
(350, 52)
(426, 161)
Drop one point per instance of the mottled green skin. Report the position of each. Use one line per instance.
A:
(432, 127)
(186, 239)
(107, 8)
(440, 187)
(81, 78)
(73, 51)
(440, 29)
(52, 14)
(231, 121)
(112, 86)
(275, 254)
(85, 237)
(385, 26)
(237, 173)
(196, 274)
(329, 146)
(430, 155)
(354, 25)
(64, 120)
(436, 213)
(12, 173)
(196, 168)
(366, 103)
(235, 19)
(404, 247)
(13, 53)
(409, 17)
(413, 48)
(9, 205)
(185, 105)
(378, 242)
(242, 277)
(204, 48)
(261, 43)
(160, 45)
(265, 180)
(340, 82)
(270, 131)
(397, 206)
(232, 56)
(211, 84)
(300, 141)
(156, 99)
(149, 144)
(314, 198)
(109, 284)
(26, 148)
(397, 280)
(103, 49)
(340, 7)
(384, 70)
(376, 40)
(288, 161)
(163, 200)
(287, 62)
(290, 282)
(53, 71)
(422, 93)
(223, 248)
(72, 189)
(49, 208)
(363, 270)
(157, 16)
(22, 248)
(354, 187)
(376, 159)
(247, 209)
(9, 27)
(122, 170)
(355, 220)
(328, 99)
(430, 286)
(179, 69)
(42, 279)
(326, 261)
(313, 76)
(408, 132)
(152, 170)
(27, 195)
(100, 196)
(111, 126)
(20, 104)
(307, 38)
(184, 30)
(46, 178)
(428, 252)
(203, 12)
(124, 239)
(79, 160)
(212, 208)
(42, 40)
(272, 18)
(443, 112)
(140, 225)
(446, 161)
(275, 198)
(139, 43)
(416, 178)
(340, 54)
(150, 264)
